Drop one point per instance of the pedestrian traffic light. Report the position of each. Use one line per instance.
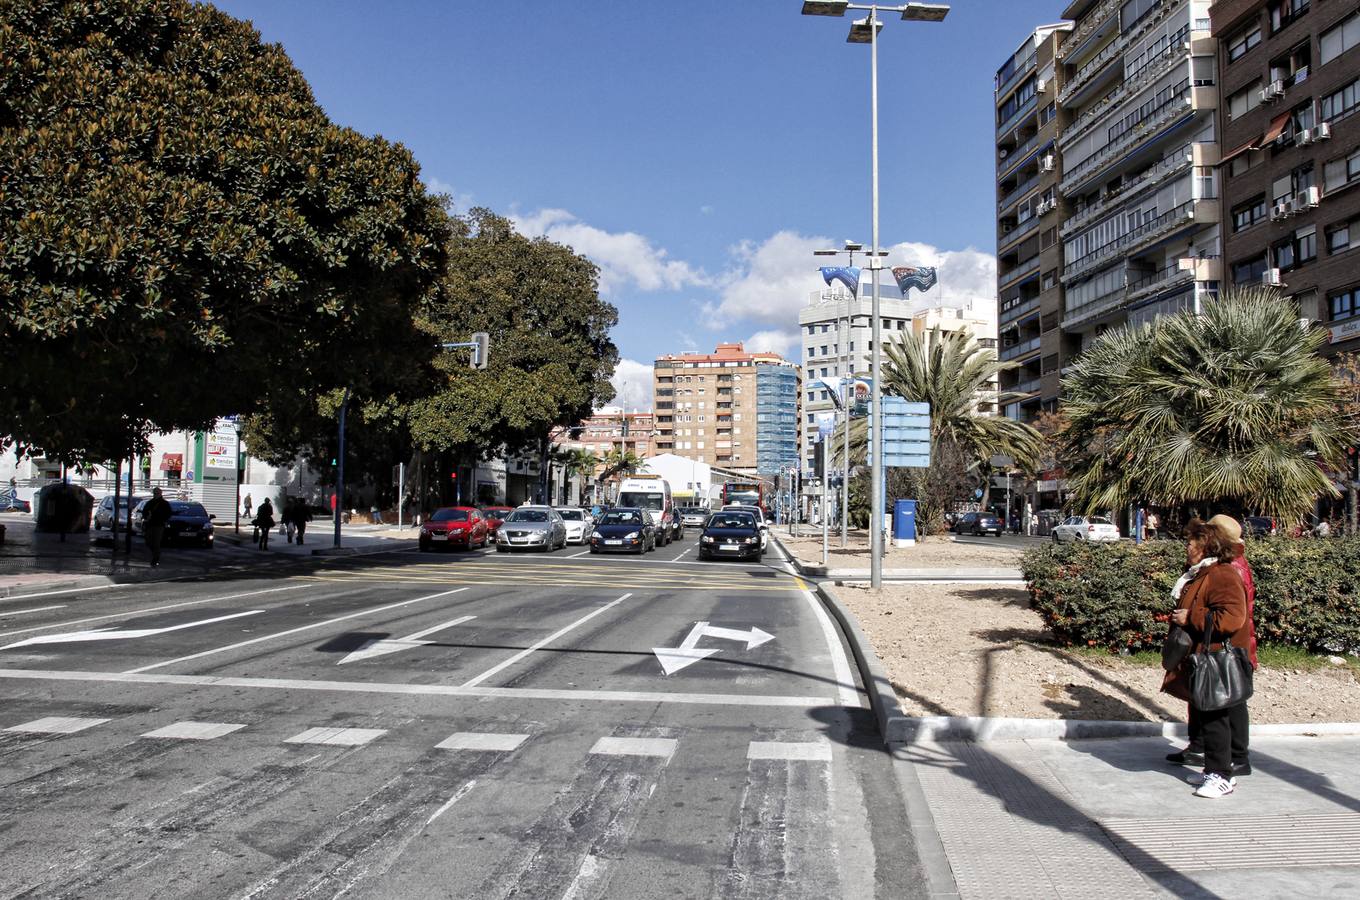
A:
(334, 461)
(819, 459)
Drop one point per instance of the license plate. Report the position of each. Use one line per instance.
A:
(614, 543)
(730, 547)
(435, 536)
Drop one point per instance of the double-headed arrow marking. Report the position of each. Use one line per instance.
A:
(110, 634)
(673, 659)
(384, 646)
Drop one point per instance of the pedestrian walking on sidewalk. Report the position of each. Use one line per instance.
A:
(376, 515)
(287, 517)
(155, 514)
(264, 521)
(247, 503)
(301, 516)
(1211, 600)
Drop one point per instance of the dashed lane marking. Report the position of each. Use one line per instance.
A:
(56, 725)
(482, 740)
(195, 731)
(337, 737)
(819, 751)
(543, 643)
(626, 746)
(21, 612)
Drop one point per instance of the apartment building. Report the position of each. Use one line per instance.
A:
(1139, 151)
(1029, 209)
(1290, 71)
(838, 338)
(610, 429)
(731, 408)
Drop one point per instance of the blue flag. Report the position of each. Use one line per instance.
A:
(846, 275)
(920, 277)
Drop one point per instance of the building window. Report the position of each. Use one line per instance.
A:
(1284, 255)
(824, 350)
(1243, 42)
(1340, 172)
(1341, 103)
(1338, 39)
(1245, 162)
(1339, 238)
(1047, 113)
(1245, 100)
(1249, 213)
(1292, 68)
(1305, 244)
(1249, 271)
(1284, 13)
(1344, 304)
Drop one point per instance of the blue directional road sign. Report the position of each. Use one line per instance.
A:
(906, 434)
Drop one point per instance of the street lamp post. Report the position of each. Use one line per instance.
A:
(865, 31)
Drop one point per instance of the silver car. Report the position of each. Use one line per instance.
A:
(103, 513)
(578, 523)
(694, 517)
(532, 527)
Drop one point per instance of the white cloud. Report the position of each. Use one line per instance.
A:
(624, 257)
(781, 341)
(966, 276)
(460, 202)
(632, 382)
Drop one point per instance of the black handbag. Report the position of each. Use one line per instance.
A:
(1177, 645)
(1218, 678)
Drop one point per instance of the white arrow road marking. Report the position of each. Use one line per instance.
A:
(109, 634)
(673, 659)
(383, 646)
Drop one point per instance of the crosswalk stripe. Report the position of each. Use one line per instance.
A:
(195, 731)
(628, 746)
(819, 751)
(56, 725)
(483, 740)
(339, 737)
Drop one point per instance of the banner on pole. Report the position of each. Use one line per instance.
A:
(846, 275)
(922, 278)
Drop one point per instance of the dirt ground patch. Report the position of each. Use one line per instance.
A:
(976, 650)
(936, 552)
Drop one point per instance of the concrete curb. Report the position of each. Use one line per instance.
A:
(811, 570)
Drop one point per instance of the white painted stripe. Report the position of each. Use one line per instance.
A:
(151, 609)
(819, 751)
(457, 795)
(270, 637)
(434, 690)
(543, 643)
(195, 731)
(626, 746)
(840, 664)
(79, 590)
(1003, 582)
(337, 737)
(481, 740)
(20, 612)
(56, 725)
(682, 553)
(576, 555)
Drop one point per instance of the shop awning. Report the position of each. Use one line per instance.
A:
(172, 462)
(1252, 144)
(1276, 127)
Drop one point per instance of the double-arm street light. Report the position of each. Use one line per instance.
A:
(865, 31)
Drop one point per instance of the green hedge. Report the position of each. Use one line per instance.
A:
(1117, 595)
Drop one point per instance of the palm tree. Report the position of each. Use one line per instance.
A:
(619, 461)
(1230, 408)
(953, 373)
(583, 463)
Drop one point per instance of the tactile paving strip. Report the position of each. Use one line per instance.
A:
(1238, 842)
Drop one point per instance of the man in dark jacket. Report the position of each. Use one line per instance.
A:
(301, 516)
(155, 514)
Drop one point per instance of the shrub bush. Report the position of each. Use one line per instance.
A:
(1118, 595)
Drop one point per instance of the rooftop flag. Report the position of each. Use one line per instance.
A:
(846, 275)
(920, 277)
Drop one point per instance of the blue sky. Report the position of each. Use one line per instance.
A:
(696, 150)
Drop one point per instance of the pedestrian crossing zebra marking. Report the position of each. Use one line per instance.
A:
(626, 746)
(337, 737)
(56, 725)
(195, 731)
(474, 740)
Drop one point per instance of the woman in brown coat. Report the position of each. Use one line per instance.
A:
(1211, 592)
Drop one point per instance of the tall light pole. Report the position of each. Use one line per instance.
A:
(865, 31)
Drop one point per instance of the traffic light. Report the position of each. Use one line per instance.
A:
(819, 459)
(481, 349)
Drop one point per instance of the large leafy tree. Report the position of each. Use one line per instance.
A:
(183, 231)
(1233, 408)
(551, 355)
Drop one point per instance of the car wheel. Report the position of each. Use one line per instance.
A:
(500, 549)
(424, 547)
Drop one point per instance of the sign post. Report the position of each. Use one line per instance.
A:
(906, 444)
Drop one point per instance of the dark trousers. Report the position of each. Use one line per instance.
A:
(155, 536)
(301, 530)
(264, 536)
(1222, 735)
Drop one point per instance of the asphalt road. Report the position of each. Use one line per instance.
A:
(444, 725)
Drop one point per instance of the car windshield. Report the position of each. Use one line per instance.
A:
(181, 508)
(571, 515)
(620, 518)
(449, 515)
(1099, 520)
(497, 512)
(732, 520)
(643, 501)
(528, 515)
(749, 498)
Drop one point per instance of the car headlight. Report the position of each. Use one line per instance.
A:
(706, 539)
(631, 536)
(752, 540)
(596, 536)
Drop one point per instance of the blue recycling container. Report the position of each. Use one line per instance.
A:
(904, 520)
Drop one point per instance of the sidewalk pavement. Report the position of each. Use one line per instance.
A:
(33, 562)
(929, 575)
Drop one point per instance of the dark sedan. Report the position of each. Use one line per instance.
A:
(733, 533)
(979, 523)
(623, 530)
(189, 523)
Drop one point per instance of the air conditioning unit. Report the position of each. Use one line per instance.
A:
(1275, 89)
(1322, 131)
(1279, 211)
(1272, 276)
(1040, 86)
(1303, 136)
(1312, 197)
(1047, 163)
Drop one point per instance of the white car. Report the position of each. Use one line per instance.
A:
(1085, 528)
(578, 522)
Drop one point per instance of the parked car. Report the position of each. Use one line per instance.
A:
(103, 513)
(578, 523)
(189, 523)
(494, 516)
(695, 516)
(733, 531)
(454, 526)
(979, 523)
(623, 530)
(14, 504)
(761, 522)
(1085, 528)
(1259, 526)
(537, 527)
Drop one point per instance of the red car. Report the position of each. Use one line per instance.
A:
(455, 526)
(495, 515)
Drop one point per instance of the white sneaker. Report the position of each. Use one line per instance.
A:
(1197, 778)
(1214, 787)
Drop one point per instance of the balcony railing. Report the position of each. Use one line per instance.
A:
(1019, 231)
(1127, 293)
(1156, 281)
(1093, 20)
(1030, 386)
(1026, 108)
(1150, 230)
(1084, 74)
(1170, 164)
(1025, 69)
(1175, 105)
(1017, 193)
(1015, 156)
(1170, 56)
(1016, 312)
(1015, 351)
(1020, 271)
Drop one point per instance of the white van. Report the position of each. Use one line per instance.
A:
(653, 494)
